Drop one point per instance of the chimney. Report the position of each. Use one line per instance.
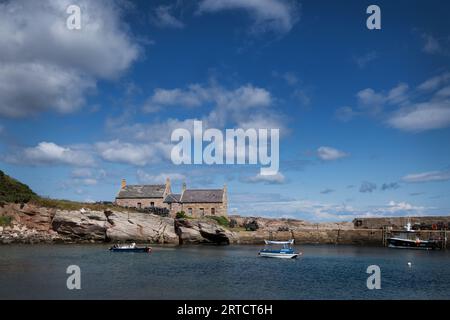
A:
(123, 184)
(168, 188)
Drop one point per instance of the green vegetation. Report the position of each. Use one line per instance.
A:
(14, 191)
(221, 220)
(73, 205)
(182, 215)
(5, 221)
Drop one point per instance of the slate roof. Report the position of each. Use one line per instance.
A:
(141, 191)
(202, 195)
(173, 197)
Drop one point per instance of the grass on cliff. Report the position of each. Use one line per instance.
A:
(14, 191)
(5, 221)
(74, 205)
(221, 220)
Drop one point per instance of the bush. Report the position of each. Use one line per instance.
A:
(181, 215)
(221, 220)
(251, 225)
(5, 220)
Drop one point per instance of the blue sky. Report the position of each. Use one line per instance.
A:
(364, 115)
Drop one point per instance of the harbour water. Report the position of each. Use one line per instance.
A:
(227, 272)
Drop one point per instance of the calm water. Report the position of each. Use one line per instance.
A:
(233, 272)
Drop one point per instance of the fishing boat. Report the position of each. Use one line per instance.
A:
(284, 250)
(408, 239)
(129, 248)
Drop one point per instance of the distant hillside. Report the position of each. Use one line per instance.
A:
(12, 190)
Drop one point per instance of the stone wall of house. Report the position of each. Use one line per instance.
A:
(145, 203)
(174, 208)
(219, 209)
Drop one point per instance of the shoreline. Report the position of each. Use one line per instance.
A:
(33, 224)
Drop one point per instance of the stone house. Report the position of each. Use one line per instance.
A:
(199, 202)
(194, 202)
(143, 196)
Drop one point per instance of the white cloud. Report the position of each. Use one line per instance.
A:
(49, 153)
(267, 15)
(266, 179)
(415, 110)
(164, 18)
(195, 95)
(130, 153)
(45, 66)
(144, 177)
(30, 88)
(373, 102)
(326, 212)
(394, 207)
(429, 176)
(329, 153)
(434, 82)
(422, 116)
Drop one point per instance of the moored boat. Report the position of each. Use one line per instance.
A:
(129, 248)
(285, 252)
(408, 239)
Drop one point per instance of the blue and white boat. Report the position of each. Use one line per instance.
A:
(129, 248)
(285, 252)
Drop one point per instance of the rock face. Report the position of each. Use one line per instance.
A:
(202, 231)
(140, 227)
(31, 224)
(89, 225)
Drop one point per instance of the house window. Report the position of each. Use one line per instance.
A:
(139, 205)
(190, 211)
(213, 211)
(202, 212)
(152, 204)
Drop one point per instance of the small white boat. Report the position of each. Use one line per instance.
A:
(285, 252)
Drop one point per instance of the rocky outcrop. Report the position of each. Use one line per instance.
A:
(192, 231)
(140, 227)
(31, 224)
(90, 225)
(22, 234)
